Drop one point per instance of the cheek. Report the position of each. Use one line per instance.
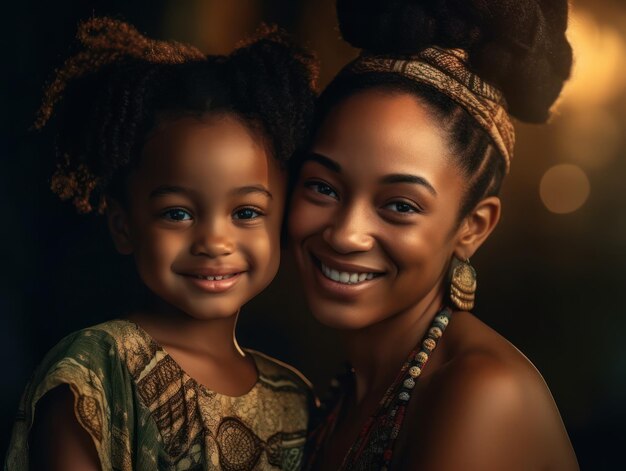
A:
(263, 247)
(263, 252)
(410, 247)
(305, 219)
(157, 250)
(422, 249)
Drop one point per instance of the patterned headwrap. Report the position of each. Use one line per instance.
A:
(447, 71)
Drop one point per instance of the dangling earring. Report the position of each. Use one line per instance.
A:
(463, 285)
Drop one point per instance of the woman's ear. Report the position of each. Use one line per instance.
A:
(477, 226)
(117, 218)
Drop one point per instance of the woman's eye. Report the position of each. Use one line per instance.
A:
(176, 214)
(322, 188)
(246, 213)
(402, 207)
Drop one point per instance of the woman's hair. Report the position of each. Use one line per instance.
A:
(519, 46)
(119, 85)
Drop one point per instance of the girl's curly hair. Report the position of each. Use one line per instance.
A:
(107, 97)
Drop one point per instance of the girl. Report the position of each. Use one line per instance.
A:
(186, 155)
(398, 192)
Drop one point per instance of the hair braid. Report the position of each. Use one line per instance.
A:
(517, 45)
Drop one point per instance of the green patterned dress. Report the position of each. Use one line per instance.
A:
(145, 413)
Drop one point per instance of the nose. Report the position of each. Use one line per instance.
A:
(212, 240)
(350, 231)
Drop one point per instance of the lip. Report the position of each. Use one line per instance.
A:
(341, 290)
(213, 286)
(344, 266)
(211, 271)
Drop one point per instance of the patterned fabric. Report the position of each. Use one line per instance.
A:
(447, 71)
(145, 413)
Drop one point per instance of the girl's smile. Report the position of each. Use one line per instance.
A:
(186, 154)
(203, 220)
(219, 283)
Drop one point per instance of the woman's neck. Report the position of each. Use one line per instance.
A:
(377, 352)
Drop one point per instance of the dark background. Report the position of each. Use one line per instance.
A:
(552, 282)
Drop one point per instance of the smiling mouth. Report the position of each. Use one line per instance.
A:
(345, 277)
(215, 278)
(215, 283)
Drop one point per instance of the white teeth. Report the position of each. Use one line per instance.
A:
(345, 277)
(215, 278)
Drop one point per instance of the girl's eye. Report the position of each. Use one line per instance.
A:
(246, 213)
(402, 207)
(176, 214)
(322, 188)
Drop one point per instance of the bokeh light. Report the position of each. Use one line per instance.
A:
(564, 188)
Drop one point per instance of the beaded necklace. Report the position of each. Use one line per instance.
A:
(373, 448)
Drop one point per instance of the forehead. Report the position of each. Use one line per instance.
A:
(391, 132)
(210, 151)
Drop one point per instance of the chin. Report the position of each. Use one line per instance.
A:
(211, 313)
(205, 309)
(341, 317)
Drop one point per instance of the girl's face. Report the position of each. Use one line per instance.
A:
(204, 215)
(373, 221)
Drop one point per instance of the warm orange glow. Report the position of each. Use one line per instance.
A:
(599, 67)
(214, 26)
(564, 188)
(591, 137)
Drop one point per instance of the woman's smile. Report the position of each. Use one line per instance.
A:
(343, 280)
(373, 213)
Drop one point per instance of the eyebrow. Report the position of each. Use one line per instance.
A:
(246, 190)
(324, 161)
(387, 179)
(407, 178)
(165, 190)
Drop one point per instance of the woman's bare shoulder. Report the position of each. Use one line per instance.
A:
(490, 405)
(478, 357)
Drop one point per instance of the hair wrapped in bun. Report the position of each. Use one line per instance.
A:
(519, 47)
(115, 88)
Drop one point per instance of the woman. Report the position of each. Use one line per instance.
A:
(399, 191)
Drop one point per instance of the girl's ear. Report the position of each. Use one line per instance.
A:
(117, 218)
(477, 226)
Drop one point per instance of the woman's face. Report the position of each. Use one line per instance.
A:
(373, 221)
